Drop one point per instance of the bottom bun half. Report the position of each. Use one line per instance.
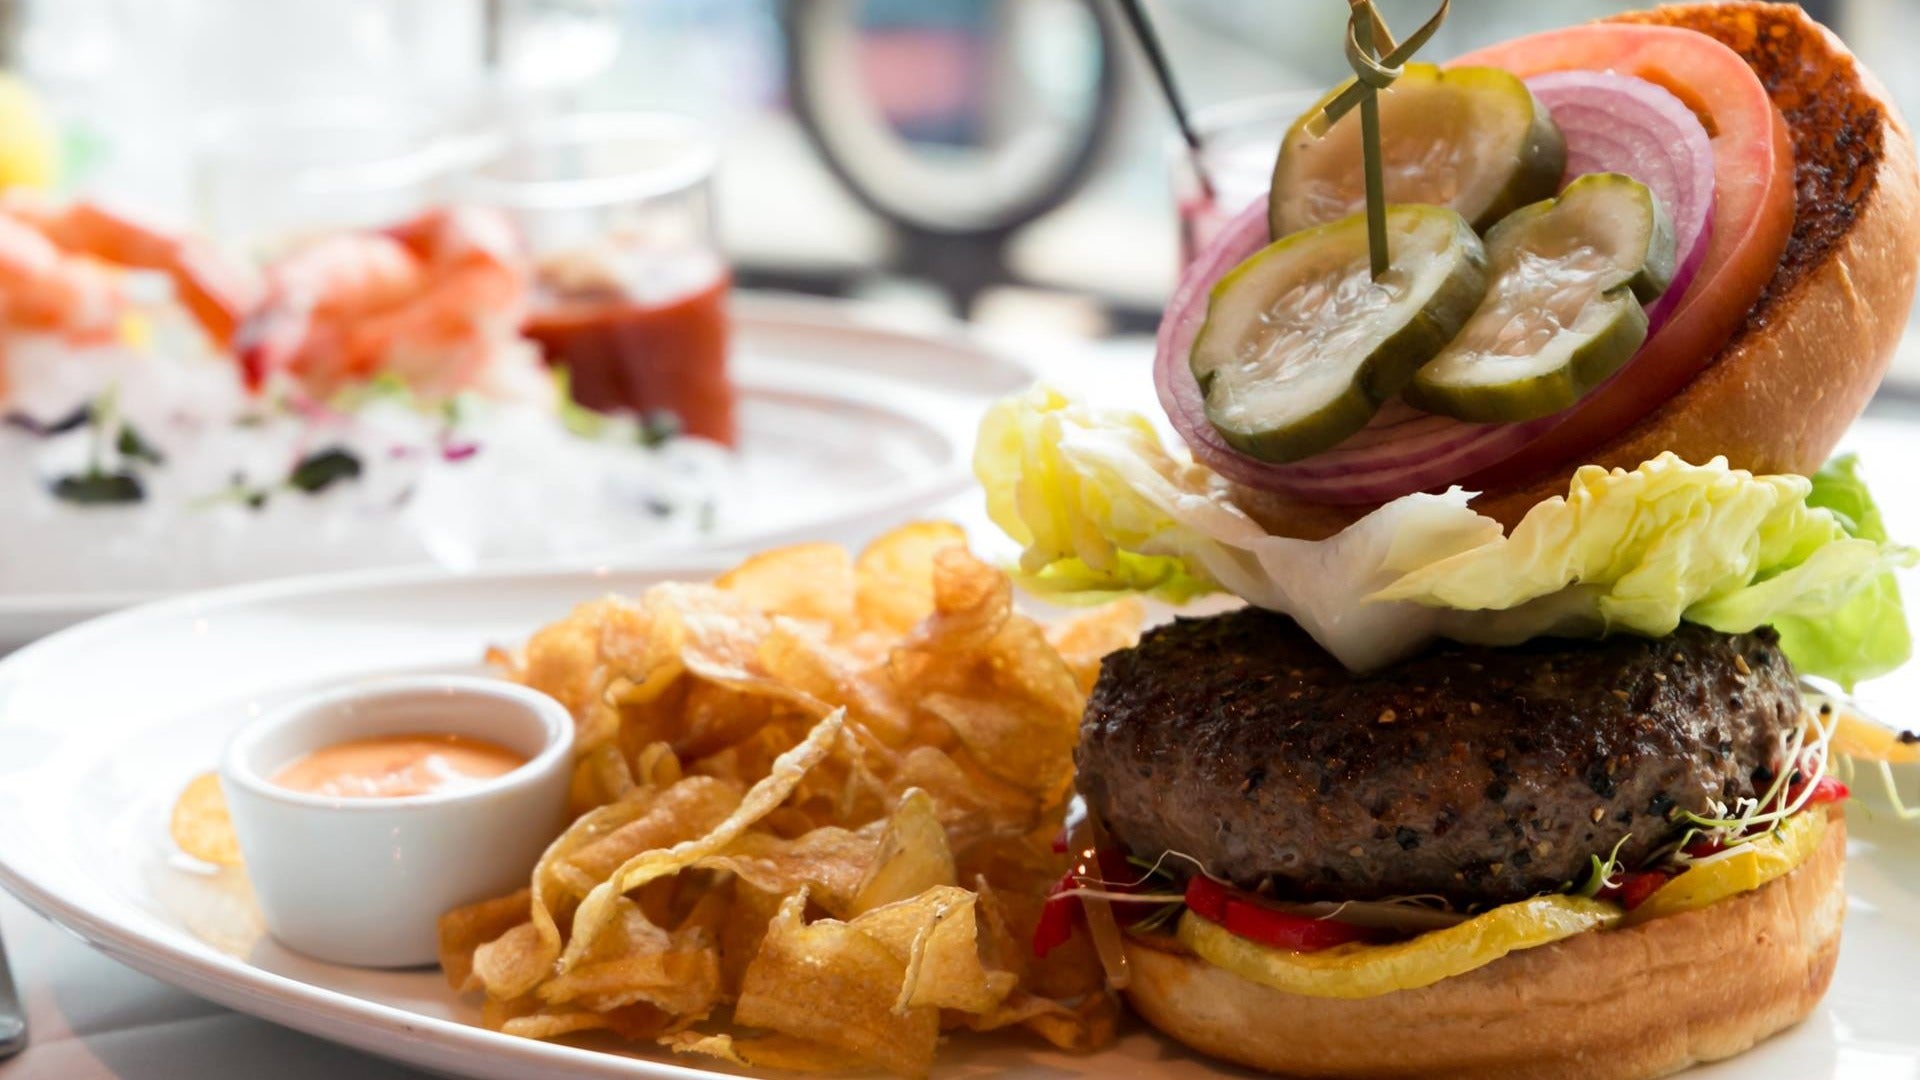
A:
(1627, 1004)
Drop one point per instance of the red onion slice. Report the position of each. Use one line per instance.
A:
(1401, 451)
(1617, 123)
(1611, 123)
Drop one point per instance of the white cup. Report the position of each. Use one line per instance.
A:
(363, 881)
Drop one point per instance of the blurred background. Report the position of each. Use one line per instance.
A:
(1006, 161)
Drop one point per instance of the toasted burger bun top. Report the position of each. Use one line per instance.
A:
(1786, 386)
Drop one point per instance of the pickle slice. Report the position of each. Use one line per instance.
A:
(1562, 309)
(1301, 345)
(1472, 138)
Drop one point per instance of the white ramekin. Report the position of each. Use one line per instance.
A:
(364, 881)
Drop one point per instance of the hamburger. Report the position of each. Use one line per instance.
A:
(1515, 761)
(1500, 776)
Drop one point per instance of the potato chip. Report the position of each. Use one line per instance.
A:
(831, 984)
(840, 673)
(829, 862)
(935, 933)
(808, 737)
(513, 964)
(913, 856)
(742, 930)
(1021, 745)
(600, 775)
(201, 826)
(633, 961)
(562, 659)
(807, 581)
(629, 1022)
(895, 575)
(970, 802)
(686, 810)
(770, 792)
(463, 930)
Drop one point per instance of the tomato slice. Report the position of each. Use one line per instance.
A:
(1753, 209)
(1244, 916)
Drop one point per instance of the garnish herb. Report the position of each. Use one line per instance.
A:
(95, 488)
(322, 469)
(98, 485)
(133, 447)
(312, 474)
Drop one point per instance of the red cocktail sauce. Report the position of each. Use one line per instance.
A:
(644, 356)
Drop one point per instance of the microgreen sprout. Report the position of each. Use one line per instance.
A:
(1749, 818)
(1601, 876)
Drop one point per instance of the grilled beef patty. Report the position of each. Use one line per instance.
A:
(1483, 775)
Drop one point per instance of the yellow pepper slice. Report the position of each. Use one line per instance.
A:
(1744, 869)
(1362, 971)
(1857, 737)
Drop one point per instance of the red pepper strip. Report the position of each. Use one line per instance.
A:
(1827, 789)
(1057, 916)
(1298, 933)
(1246, 917)
(1062, 911)
(1636, 886)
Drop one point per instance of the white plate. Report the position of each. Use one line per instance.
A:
(871, 422)
(100, 725)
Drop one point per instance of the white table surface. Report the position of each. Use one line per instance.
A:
(92, 1019)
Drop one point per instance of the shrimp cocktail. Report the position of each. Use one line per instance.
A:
(175, 418)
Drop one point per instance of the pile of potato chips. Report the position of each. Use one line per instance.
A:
(816, 803)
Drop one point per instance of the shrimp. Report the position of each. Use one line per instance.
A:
(45, 289)
(430, 300)
(216, 291)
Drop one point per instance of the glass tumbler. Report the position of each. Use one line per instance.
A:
(630, 287)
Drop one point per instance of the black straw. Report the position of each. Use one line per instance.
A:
(1150, 44)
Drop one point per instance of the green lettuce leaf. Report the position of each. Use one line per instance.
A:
(1101, 507)
(1640, 550)
(1866, 633)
